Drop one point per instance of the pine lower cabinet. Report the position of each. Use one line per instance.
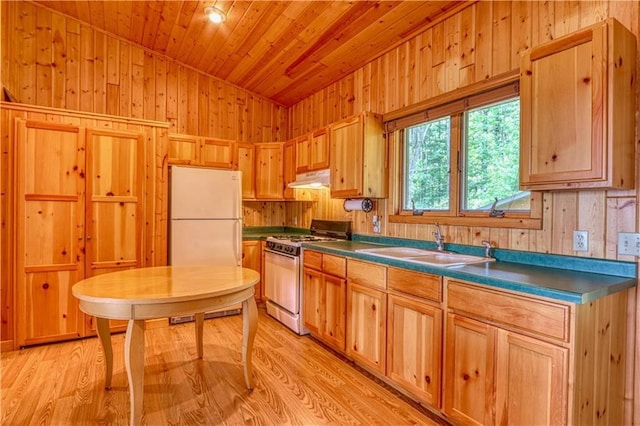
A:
(367, 314)
(252, 259)
(325, 297)
(518, 359)
(415, 333)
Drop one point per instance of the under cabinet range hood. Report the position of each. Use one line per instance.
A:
(316, 179)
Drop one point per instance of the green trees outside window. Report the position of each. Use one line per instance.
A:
(489, 147)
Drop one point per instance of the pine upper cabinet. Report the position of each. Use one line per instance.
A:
(50, 234)
(184, 149)
(245, 162)
(269, 170)
(577, 97)
(199, 151)
(217, 153)
(367, 314)
(312, 151)
(289, 160)
(358, 157)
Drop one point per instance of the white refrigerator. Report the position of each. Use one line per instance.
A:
(205, 227)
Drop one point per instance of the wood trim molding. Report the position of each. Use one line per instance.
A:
(80, 114)
(505, 222)
(454, 95)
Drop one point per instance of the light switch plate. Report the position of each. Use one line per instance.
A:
(581, 240)
(629, 243)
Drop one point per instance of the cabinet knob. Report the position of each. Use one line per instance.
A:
(45, 286)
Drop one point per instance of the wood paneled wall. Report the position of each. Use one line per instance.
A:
(480, 42)
(51, 60)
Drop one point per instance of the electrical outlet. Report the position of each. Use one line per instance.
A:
(376, 224)
(629, 243)
(581, 240)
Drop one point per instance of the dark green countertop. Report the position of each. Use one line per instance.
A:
(261, 232)
(555, 282)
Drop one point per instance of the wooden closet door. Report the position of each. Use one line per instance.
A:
(115, 182)
(49, 230)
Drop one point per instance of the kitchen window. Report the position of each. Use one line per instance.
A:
(458, 163)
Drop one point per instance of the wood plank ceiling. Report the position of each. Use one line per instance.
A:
(282, 50)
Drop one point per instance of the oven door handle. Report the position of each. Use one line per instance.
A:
(278, 253)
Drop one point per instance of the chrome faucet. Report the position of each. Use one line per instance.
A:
(487, 248)
(439, 238)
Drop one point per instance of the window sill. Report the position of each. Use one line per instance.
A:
(488, 222)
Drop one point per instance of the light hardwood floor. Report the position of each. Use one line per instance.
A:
(298, 382)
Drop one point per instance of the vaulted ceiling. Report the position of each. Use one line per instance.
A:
(282, 50)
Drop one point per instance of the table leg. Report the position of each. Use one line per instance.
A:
(249, 327)
(134, 363)
(102, 326)
(199, 329)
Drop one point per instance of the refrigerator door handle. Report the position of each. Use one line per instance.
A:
(238, 240)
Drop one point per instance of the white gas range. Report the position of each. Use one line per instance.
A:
(283, 270)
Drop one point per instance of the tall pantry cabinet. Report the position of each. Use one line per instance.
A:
(50, 234)
(79, 207)
(79, 214)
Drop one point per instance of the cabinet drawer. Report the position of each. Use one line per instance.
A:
(416, 283)
(312, 259)
(367, 274)
(334, 265)
(535, 316)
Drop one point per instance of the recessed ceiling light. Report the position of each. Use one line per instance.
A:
(215, 14)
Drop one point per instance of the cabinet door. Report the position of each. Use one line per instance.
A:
(50, 171)
(366, 326)
(525, 364)
(246, 164)
(312, 300)
(415, 348)
(559, 113)
(115, 179)
(217, 153)
(347, 158)
(334, 303)
(577, 127)
(319, 150)
(252, 259)
(469, 371)
(289, 159)
(302, 154)
(184, 149)
(269, 171)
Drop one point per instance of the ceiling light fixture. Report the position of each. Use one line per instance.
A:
(215, 14)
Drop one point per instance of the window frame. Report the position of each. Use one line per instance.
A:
(454, 104)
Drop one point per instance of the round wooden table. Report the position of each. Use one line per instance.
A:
(159, 292)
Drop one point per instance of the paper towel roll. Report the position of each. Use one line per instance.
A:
(364, 205)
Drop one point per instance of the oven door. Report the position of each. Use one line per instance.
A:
(282, 280)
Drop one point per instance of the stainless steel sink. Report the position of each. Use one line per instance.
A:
(426, 257)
